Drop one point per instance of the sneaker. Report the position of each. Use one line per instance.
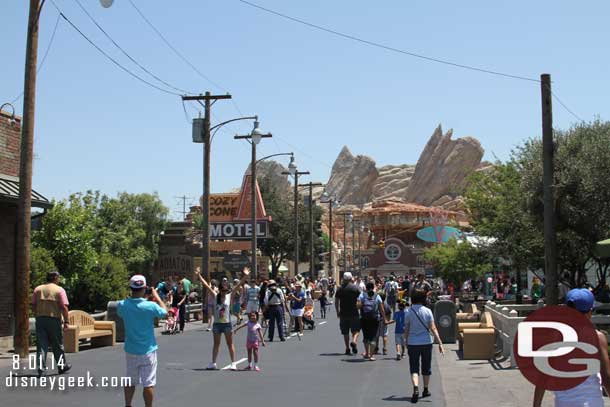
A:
(354, 347)
(257, 369)
(397, 357)
(248, 367)
(348, 352)
(425, 393)
(414, 397)
(64, 369)
(212, 366)
(209, 329)
(385, 352)
(283, 339)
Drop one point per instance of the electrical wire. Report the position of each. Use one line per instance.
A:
(114, 61)
(46, 53)
(387, 47)
(566, 107)
(178, 53)
(169, 85)
(181, 56)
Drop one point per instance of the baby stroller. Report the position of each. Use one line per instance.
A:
(171, 321)
(308, 314)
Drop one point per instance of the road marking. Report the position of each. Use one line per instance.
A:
(292, 336)
(227, 367)
(322, 323)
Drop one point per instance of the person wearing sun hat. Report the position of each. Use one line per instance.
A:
(589, 392)
(138, 315)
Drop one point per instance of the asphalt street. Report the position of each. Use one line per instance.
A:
(310, 372)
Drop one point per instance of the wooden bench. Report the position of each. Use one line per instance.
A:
(477, 340)
(82, 326)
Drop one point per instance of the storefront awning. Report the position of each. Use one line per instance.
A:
(9, 192)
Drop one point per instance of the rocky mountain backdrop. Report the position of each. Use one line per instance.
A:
(438, 178)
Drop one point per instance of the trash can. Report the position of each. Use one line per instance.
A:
(445, 320)
(112, 315)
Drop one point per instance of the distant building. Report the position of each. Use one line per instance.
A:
(10, 143)
(383, 238)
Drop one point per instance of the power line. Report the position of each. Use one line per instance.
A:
(387, 47)
(178, 53)
(169, 85)
(114, 61)
(44, 58)
(182, 57)
(566, 107)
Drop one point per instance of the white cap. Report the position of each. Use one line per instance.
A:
(347, 276)
(138, 281)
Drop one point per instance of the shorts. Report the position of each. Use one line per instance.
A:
(251, 345)
(417, 352)
(370, 329)
(219, 328)
(400, 339)
(252, 307)
(236, 308)
(142, 369)
(297, 312)
(382, 331)
(349, 324)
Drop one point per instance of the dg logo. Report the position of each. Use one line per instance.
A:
(557, 348)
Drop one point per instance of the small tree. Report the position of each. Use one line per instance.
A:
(457, 262)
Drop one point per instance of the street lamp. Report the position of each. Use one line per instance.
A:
(331, 201)
(292, 170)
(347, 217)
(254, 138)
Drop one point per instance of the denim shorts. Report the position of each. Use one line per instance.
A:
(219, 328)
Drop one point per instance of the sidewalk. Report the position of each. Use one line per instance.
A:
(468, 383)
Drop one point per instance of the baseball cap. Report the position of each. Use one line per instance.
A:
(582, 299)
(271, 282)
(138, 281)
(347, 276)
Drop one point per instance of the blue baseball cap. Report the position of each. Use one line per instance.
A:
(582, 299)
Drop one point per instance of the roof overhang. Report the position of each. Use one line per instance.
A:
(9, 193)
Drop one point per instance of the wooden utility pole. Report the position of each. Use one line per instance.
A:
(24, 208)
(205, 204)
(550, 244)
(310, 185)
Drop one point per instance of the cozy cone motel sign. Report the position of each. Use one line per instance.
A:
(230, 215)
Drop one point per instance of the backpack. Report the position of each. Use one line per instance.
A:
(369, 307)
(392, 292)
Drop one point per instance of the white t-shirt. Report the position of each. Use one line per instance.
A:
(222, 311)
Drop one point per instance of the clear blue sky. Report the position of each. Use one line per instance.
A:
(98, 128)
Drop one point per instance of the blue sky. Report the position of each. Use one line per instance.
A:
(98, 128)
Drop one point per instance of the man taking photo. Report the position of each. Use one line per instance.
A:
(140, 345)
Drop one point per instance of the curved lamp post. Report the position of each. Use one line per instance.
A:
(254, 138)
(293, 170)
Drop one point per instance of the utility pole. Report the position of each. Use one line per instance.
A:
(311, 245)
(183, 198)
(548, 182)
(205, 204)
(296, 174)
(24, 207)
(330, 238)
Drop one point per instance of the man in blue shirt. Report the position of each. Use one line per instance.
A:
(139, 314)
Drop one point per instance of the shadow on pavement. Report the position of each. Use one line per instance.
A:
(331, 354)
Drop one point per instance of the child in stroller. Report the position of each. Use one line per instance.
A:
(308, 314)
(171, 322)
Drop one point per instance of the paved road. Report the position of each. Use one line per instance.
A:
(306, 373)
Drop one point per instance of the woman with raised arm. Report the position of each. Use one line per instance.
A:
(222, 316)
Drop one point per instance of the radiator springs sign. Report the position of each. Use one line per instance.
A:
(237, 230)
